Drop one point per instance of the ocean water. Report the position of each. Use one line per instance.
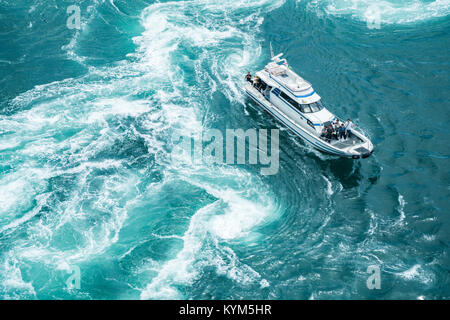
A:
(89, 187)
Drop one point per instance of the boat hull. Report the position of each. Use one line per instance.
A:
(313, 140)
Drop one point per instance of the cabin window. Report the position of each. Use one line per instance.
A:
(305, 108)
(291, 101)
(276, 91)
(312, 107)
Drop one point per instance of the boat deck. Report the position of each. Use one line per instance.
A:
(344, 143)
(288, 77)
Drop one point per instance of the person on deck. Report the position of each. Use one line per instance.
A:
(324, 131)
(330, 132)
(248, 77)
(341, 132)
(348, 128)
(336, 125)
(263, 86)
(256, 83)
(267, 92)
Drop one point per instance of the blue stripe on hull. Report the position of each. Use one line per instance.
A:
(315, 143)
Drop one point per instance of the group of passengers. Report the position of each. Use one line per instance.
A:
(261, 86)
(337, 130)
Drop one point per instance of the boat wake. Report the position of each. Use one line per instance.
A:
(87, 154)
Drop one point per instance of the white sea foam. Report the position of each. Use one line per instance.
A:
(428, 237)
(329, 186)
(373, 222)
(116, 106)
(202, 247)
(417, 273)
(17, 192)
(40, 199)
(233, 216)
(388, 12)
(14, 286)
(87, 105)
(401, 210)
(96, 238)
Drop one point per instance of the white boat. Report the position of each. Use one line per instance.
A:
(292, 101)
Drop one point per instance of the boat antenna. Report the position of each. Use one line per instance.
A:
(271, 50)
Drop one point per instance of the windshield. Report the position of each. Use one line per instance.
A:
(305, 108)
(312, 107)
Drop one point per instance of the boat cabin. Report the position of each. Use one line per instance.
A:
(287, 90)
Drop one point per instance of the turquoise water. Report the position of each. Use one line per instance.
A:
(88, 183)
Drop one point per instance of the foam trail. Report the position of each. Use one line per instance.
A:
(329, 186)
(401, 203)
(69, 133)
(233, 215)
(401, 211)
(229, 217)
